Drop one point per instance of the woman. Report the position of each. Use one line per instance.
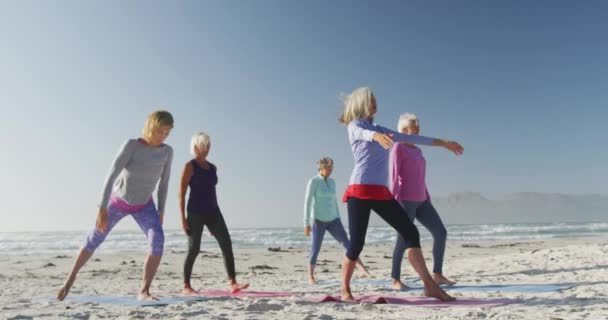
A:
(138, 167)
(200, 176)
(322, 206)
(368, 191)
(408, 175)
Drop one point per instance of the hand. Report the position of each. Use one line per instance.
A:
(185, 226)
(454, 147)
(102, 220)
(385, 140)
(307, 231)
(161, 215)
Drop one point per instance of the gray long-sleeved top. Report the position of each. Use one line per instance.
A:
(135, 172)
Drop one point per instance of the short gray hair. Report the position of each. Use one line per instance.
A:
(200, 140)
(405, 119)
(325, 162)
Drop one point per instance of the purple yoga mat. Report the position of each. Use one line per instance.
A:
(415, 301)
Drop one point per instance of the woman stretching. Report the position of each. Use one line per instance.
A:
(321, 204)
(408, 175)
(201, 176)
(367, 189)
(138, 167)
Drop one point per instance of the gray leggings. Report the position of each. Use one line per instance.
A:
(429, 218)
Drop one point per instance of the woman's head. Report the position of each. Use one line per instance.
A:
(325, 166)
(409, 124)
(200, 145)
(157, 127)
(360, 104)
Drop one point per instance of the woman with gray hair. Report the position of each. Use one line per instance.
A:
(367, 189)
(408, 180)
(200, 176)
(321, 205)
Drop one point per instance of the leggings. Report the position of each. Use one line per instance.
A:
(335, 228)
(429, 218)
(147, 219)
(217, 226)
(389, 210)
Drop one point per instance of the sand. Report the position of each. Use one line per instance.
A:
(29, 283)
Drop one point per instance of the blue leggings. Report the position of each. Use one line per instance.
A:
(147, 219)
(429, 218)
(335, 228)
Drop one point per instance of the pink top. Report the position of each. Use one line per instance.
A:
(408, 173)
(123, 206)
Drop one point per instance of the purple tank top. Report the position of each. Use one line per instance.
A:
(202, 198)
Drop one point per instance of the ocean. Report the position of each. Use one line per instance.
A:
(67, 242)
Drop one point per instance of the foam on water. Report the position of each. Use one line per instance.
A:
(26, 243)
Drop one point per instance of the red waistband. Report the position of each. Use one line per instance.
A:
(367, 191)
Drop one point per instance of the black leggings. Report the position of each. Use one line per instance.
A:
(216, 225)
(389, 210)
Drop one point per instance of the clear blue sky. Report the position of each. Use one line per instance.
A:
(523, 85)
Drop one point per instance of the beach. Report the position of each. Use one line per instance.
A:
(31, 281)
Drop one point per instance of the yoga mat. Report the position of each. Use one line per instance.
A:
(529, 288)
(129, 300)
(243, 294)
(415, 301)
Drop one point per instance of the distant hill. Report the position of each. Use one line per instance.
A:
(524, 207)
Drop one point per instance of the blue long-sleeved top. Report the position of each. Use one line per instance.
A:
(320, 202)
(371, 159)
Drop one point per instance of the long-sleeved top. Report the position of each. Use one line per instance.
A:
(370, 173)
(371, 159)
(135, 172)
(408, 173)
(320, 201)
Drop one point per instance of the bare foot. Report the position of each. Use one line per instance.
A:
(440, 279)
(188, 290)
(432, 290)
(235, 287)
(397, 284)
(365, 274)
(146, 296)
(311, 280)
(63, 292)
(346, 295)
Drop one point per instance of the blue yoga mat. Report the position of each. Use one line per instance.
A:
(129, 300)
(511, 287)
(479, 288)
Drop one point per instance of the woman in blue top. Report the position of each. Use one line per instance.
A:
(322, 206)
(368, 189)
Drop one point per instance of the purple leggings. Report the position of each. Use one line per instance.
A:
(147, 219)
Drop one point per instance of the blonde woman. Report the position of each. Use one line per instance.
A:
(368, 189)
(138, 167)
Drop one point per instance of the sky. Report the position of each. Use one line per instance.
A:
(522, 85)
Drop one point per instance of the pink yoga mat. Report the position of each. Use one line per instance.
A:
(416, 301)
(243, 294)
